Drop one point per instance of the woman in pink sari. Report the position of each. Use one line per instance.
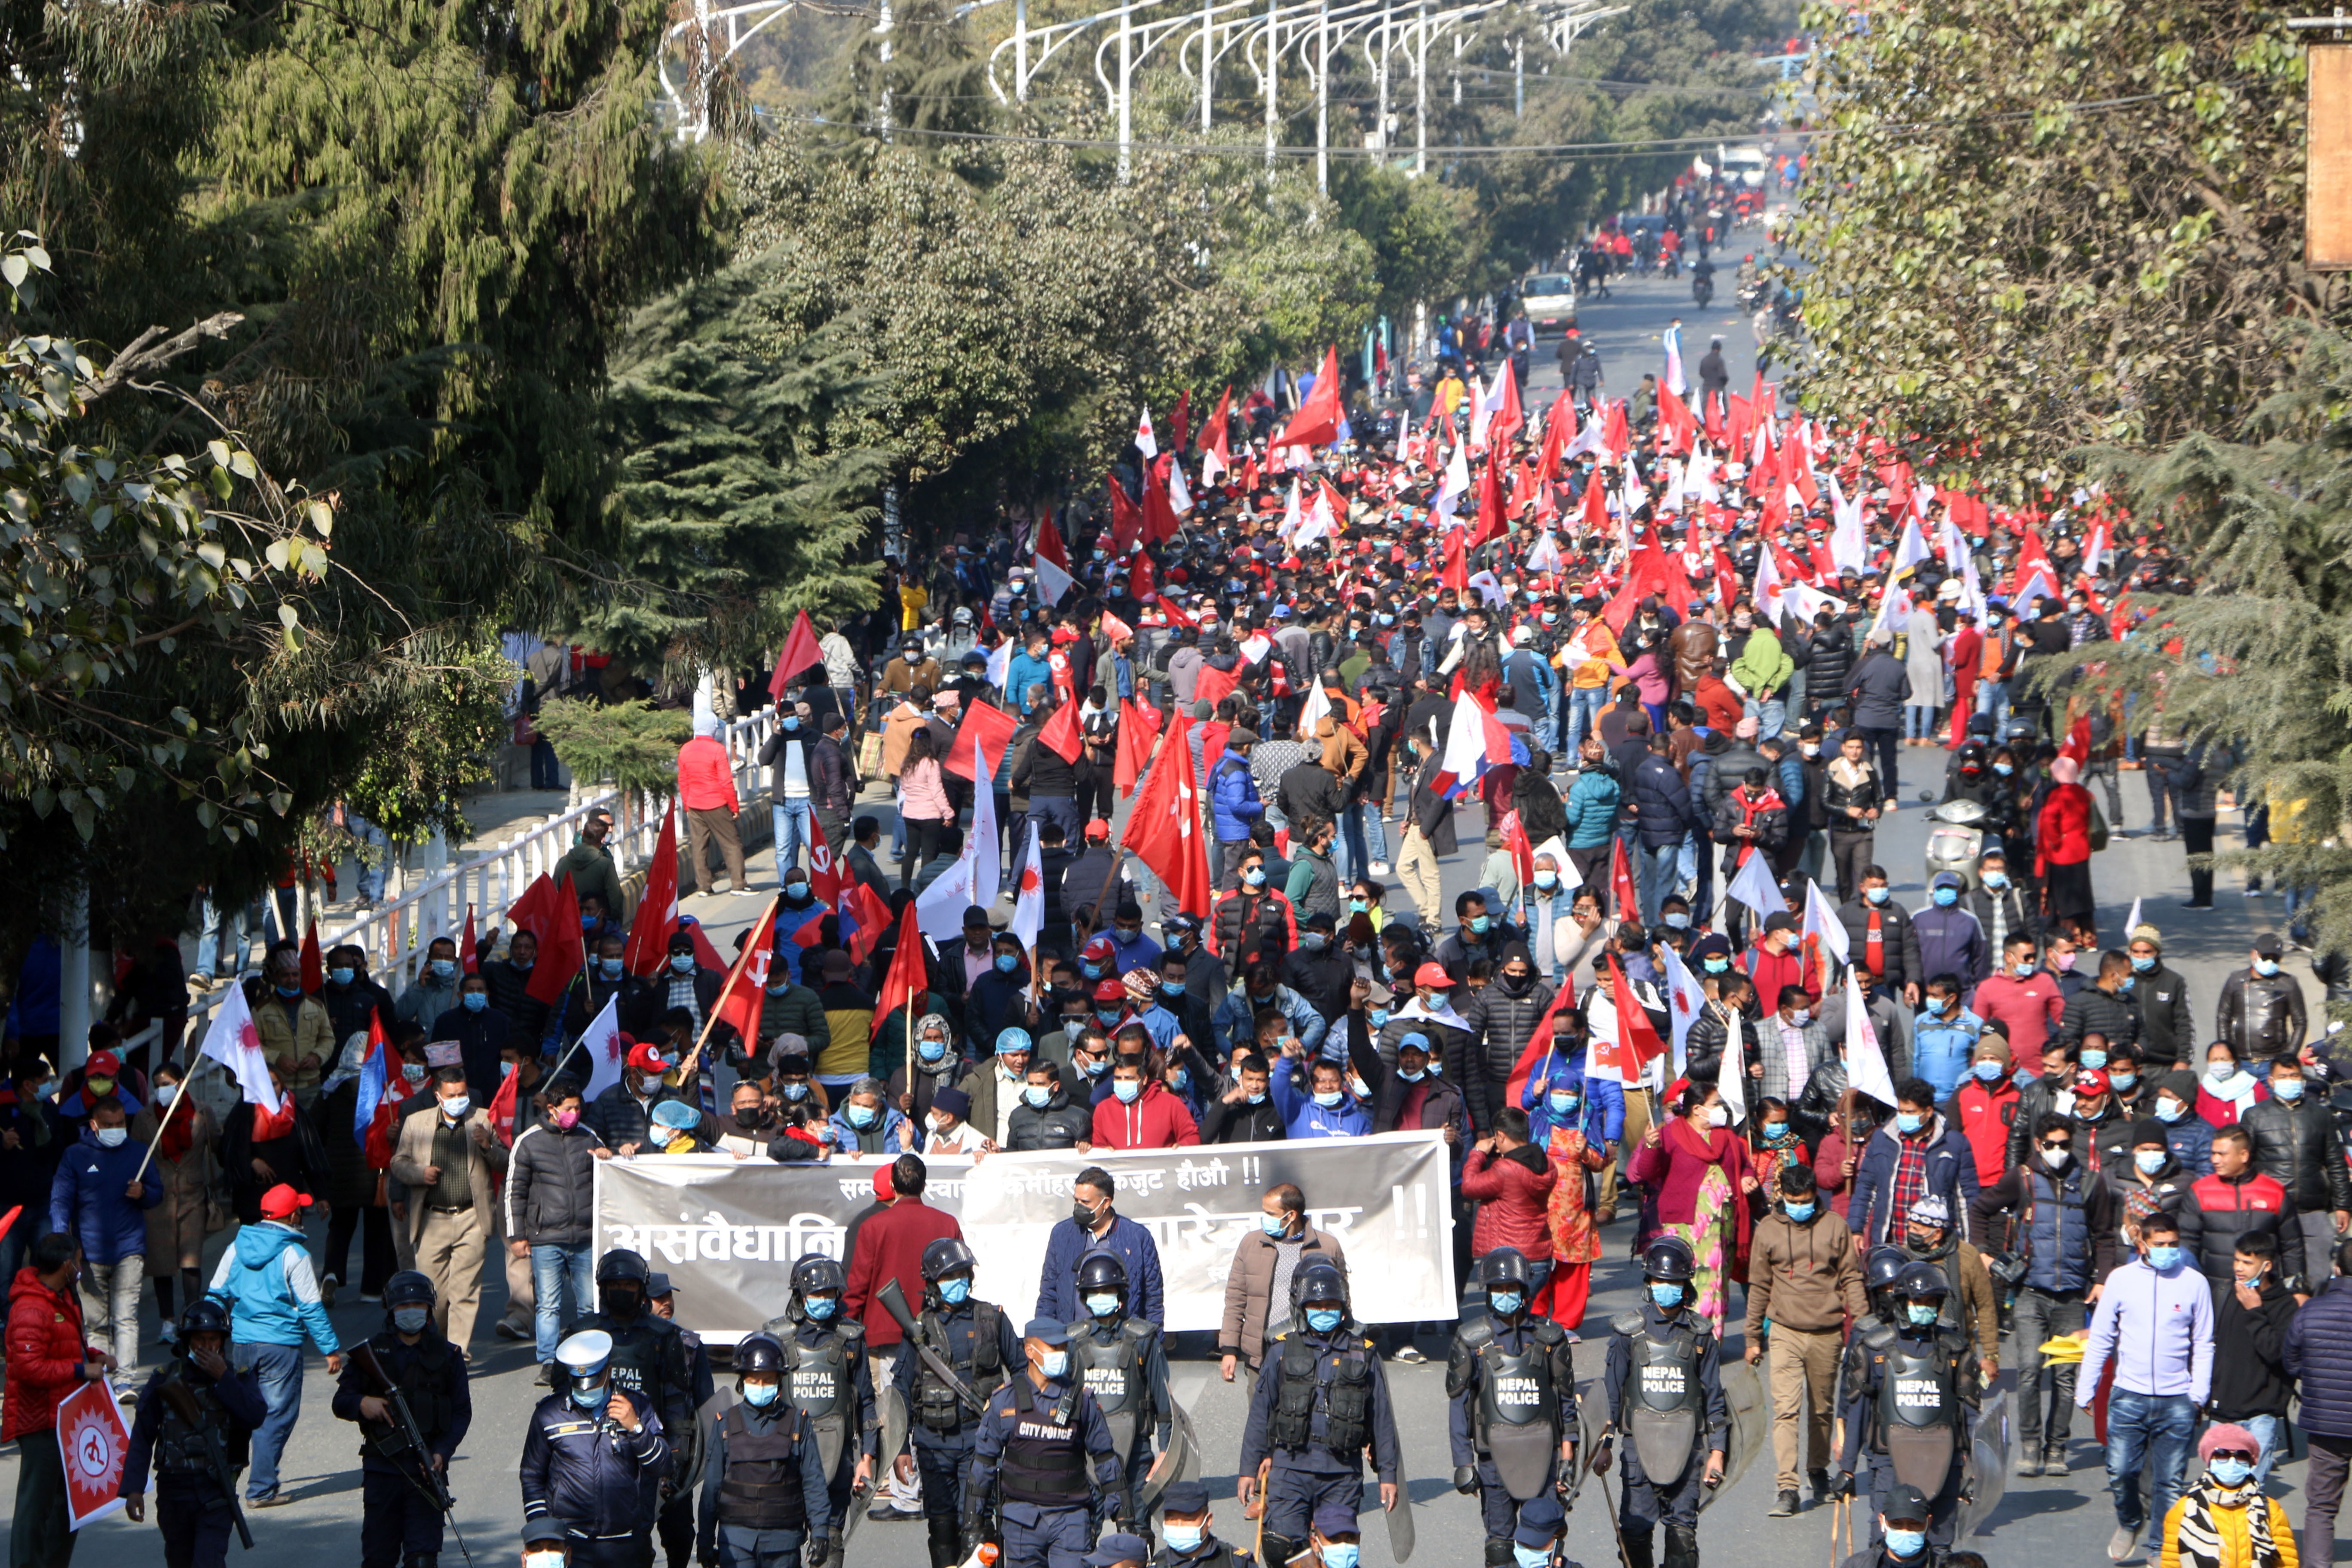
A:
(1697, 1175)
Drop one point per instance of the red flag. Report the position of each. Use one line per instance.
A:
(1634, 1026)
(1213, 685)
(1215, 434)
(1176, 421)
(800, 653)
(1126, 519)
(1539, 1043)
(1139, 579)
(649, 933)
(1560, 426)
(909, 976)
(861, 916)
(1049, 543)
(470, 954)
(987, 724)
(1455, 573)
(1491, 523)
(314, 967)
(1509, 418)
(747, 984)
(1061, 732)
(1674, 419)
(561, 953)
(1317, 423)
(535, 911)
(2078, 740)
(1139, 725)
(1164, 831)
(1514, 834)
(1621, 883)
(502, 1104)
(1158, 511)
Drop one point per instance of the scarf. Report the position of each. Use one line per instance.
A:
(2200, 1540)
(178, 1134)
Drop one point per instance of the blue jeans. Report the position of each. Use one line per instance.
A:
(1992, 697)
(2272, 1430)
(2298, 896)
(1369, 832)
(551, 1267)
(222, 939)
(1657, 875)
(1771, 716)
(280, 1369)
(1584, 706)
(1918, 720)
(792, 816)
(2143, 1427)
(371, 867)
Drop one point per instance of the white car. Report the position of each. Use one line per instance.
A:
(1549, 299)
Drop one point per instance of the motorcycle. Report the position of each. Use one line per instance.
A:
(1955, 841)
(1702, 290)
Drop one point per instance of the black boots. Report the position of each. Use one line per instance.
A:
(1682, 1546)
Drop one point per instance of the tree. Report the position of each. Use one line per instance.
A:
(2037, 224)
(632, 745)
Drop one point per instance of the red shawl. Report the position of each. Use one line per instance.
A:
(1675, 1169)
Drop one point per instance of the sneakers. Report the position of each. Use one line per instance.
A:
(270, 1499)
(170, 1335)
(1783, 1505)
(1410, 1355)
(2123, 1546)
(327, 1284)
(1380, 868)
(2053, 1461)
(2028, 1461)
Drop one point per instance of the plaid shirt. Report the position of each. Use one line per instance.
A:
(1910, 1177)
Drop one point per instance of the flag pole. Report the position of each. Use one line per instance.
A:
(169, 1112)
(685, 1070)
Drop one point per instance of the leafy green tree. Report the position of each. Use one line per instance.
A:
(448, 735)
(2037, 224)
(632, 745)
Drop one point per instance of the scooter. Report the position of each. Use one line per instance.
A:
(1702, 290)
(1954, 839)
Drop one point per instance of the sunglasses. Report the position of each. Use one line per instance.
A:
(2232, 1454)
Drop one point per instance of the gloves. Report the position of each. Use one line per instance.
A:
(814, 1552)
(1841, 1484)
(1465, 1479)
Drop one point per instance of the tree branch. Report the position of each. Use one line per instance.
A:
(145, 353)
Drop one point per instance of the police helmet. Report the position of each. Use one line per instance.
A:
(1667, 1258)
(944, 1257)
(204, 1316)
(407, 1289)
(757, 1353)
(1505, 1268)
(1921, 1280)
(1884, 1267)
(1102, 1271)
(1318, 1281)
(621, 1266)
(815, 1273)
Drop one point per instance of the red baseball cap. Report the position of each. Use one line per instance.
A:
(2091, 1080)
(1110, 990)
(646, 1058)
(281, 1202)
(1432, 974)
(103, 1064)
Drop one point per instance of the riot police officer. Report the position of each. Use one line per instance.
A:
(1511, 1384)
(594, 1459)
(676, 1526)
(195, 1419)
(648, 1357)
(1536, 1540)
(1321, 1400)
(1664, 1388)
(977, 1341)
(1911, 1387)
(827, 1380)
(1124, 1364)
(1880, 1271)
(763, 1482)
(1186, 1532)
(1044, 1460)
(401, 1519)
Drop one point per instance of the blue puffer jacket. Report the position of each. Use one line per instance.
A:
(1592, 802)
(272, 1293)
(898, 1133)
(2191, 1141)
(1663, 808)
(86, 1198)
(1233, 798)
(1601, 1107)
(2319, 1353)
(1951, 1175)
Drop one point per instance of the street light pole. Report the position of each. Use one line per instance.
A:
(1323, 101)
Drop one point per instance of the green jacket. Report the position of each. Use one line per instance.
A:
(592, 871)
(1762, 665)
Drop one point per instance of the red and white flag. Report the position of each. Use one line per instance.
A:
(93, 1439)
(1145, 441)
(600, 1045)
(1028, 921)
(233, 1041)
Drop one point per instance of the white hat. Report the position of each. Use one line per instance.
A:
(585, 1353)
(1521, 637)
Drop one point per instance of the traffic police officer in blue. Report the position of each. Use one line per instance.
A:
(400, 1520)
(826, 1379)
(595, 1458)
(1043, 1456)
(1322, 1400)
(196, 1461)
(1511, 1381)
(1664, 1390)
(764, 1480)
(1123, 1363)
(977, 1341)
(1911, 1387)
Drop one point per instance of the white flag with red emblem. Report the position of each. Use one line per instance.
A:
(1029, 897)
(1145, 441)
(235, 1042)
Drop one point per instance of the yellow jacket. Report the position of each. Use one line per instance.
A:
(2237, 1541)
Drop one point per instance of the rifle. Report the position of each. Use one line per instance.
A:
(404, 1423)
(182, 1401)
(893, 1301)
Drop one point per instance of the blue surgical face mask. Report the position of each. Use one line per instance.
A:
(1124, 937)
(1356, 906)
(1988, 1071)
(2143, 965)
(2023, 1078)
(1109, 1015)
(1676, 920)
(2266, 967)
(1055, 1363)
(289, 992)
(1945, 898)
(2003, 769)
(1092, 971)
(1095, 1066)
(1182, 1537)
(2164, 1257)
(2093, 1058)
(1505, 1302)
(1377, 1016)
(1102, 1304)
(1257, 1098)
(930, 1051)
(1716, 965)
(1666, 1294)
(783, 983)
(2288, 1089)
(1274, 1224)
(1921, 1313)
(759, 1395)
(1479, 924)
(1909, 1122)
(1254, 876)
(610, 967)
(1126, 1089)
(1775, 1131)
(1180, 1078)
(821, 1307)
(2230, 1472)
(343, 977)
(1996, 881)
(1313, 942)
(2023, 970)
(1037, 1094)
(1006, 963)
(792, 721)
(1329, 1098)
(862, 1115)
(1876, 894)
(2149, 1160)
(955, 1291)
(1562, 1101)
(474, 1001)
(2123, 1081)
(443, 968)
(1323, 1320)
(1546, 881)
(1172, 990)
(681, 963)
(595, 1398)
(1339, 1554)
(1906, 1543)
(1801, 1211)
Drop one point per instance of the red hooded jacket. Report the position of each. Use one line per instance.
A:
(1514, 1204)
(47, 1349)
(1158, 1119)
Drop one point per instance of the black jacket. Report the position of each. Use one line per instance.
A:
(2261, 1016)
(1243, 1123)
(1500, 1026)
(550, 1187)
(2299, 1147)
(2250, 1375)
(511, 994)
(2167, 1029)
(1061, 1125)
(1899, 943)
(2092, 1011)
(1832, 661)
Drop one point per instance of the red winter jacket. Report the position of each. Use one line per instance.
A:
(45, 1353)
(2062, 834)
(1772, 971)
(1513, 1202)
(1985, 1115)
(1157, 1119)
(890, 1245)
(706, 779)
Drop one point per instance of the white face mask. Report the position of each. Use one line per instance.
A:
(112, 1137)
(1718, 1116)
(456, 1106)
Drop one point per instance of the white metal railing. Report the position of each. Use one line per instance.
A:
(396, 935)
